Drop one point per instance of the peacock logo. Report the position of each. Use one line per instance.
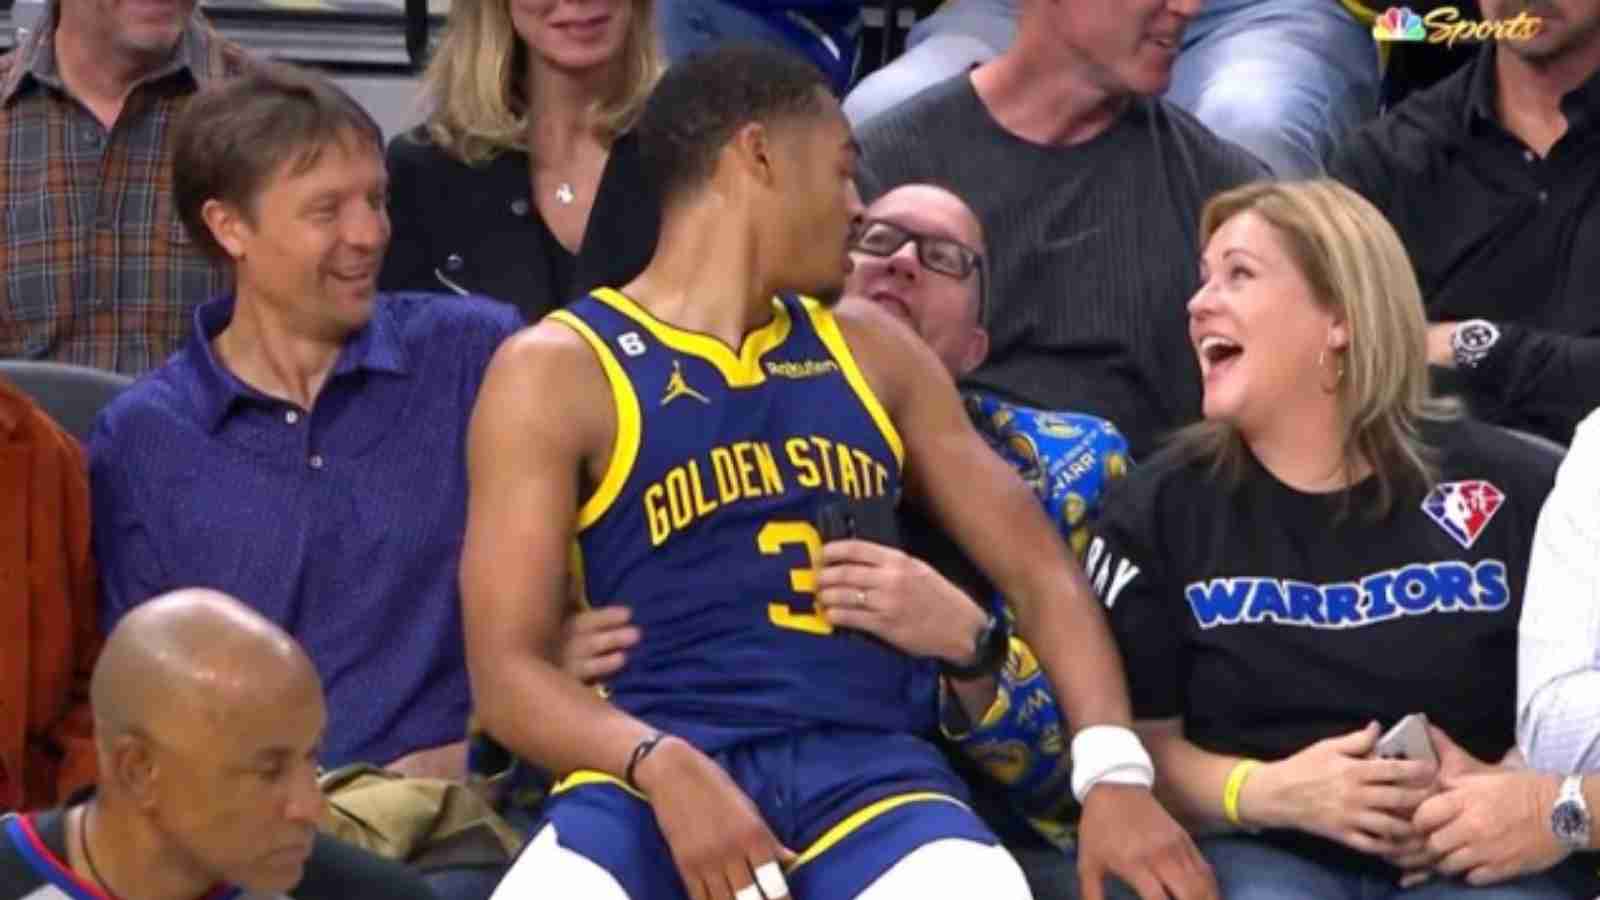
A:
(1399, 23)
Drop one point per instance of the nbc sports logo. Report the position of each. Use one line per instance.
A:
(1399, 23)
(1463, 508)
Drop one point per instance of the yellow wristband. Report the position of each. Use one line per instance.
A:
(1230, 792)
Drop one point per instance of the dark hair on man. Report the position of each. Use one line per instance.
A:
(701, 102)
(234, 135)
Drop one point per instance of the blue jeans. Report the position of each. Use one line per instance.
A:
(1285, 79)
(828, 35)
(960, 35)
(1250, 869)
(1053, 874)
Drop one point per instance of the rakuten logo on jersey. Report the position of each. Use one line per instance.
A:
(1418, 589)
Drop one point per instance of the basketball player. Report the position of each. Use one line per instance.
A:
(670, 446)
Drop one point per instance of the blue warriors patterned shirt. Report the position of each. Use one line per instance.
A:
(703, 524)
(1068, 460)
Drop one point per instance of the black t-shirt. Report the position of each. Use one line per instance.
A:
(33, 866)
(1267, 622)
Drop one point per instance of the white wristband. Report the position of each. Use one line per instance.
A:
(1109, 753)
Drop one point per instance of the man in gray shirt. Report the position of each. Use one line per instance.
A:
(1089, 187)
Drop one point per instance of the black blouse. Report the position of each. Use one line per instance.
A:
(476, 229)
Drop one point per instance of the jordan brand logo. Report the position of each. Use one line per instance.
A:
(677, 387)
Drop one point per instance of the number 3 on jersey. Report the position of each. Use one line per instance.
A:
(773, 539)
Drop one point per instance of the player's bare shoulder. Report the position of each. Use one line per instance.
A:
(893, 358)
(547, 376)
(549, 347)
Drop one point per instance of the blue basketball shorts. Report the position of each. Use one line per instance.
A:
(850, 803)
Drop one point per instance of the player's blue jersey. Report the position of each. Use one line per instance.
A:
(704, 520)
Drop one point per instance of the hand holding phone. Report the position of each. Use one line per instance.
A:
(1408, 739)
(865, 520)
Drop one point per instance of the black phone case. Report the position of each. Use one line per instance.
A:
(866, 520)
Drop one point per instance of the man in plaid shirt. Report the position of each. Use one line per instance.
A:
(95, 267)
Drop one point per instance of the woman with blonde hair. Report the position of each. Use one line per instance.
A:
(523, 182)
(1330, 551)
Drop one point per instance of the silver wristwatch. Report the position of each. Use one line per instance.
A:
(1471, 341)
(1569, 818)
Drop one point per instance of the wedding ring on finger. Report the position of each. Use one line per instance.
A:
(770, 878)
(861, 599)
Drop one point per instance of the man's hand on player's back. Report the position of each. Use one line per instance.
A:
(595, 643)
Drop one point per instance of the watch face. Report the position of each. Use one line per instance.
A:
(1477, 337)
(1567, 820)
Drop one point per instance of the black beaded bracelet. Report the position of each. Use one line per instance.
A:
(640, 751)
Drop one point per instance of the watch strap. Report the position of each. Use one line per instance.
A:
(990, 645)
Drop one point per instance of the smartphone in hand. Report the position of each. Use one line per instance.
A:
(871, 520)
(847, 518)
(1408, 739)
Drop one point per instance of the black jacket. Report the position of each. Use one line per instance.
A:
(1498, 233)
(476, 228)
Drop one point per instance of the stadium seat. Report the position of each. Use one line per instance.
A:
(72, 395)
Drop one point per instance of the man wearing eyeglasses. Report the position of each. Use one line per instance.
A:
(920, 253)
(917, 253)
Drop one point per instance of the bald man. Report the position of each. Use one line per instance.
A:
(207, 722)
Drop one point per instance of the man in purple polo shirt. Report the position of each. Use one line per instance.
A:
(303, 450)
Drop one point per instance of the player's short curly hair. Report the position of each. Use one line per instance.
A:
(703, 101)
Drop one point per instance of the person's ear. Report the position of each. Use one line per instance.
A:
(228, 226)
(134, 769)
(1339, 336)
(976, 351)
(752, 149)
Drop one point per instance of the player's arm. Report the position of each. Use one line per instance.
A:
(977, 498)
(527, 445)
(542, 419)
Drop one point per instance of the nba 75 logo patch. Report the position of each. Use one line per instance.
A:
(1463, 508)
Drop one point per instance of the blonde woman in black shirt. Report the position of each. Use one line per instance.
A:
(523, 183)
(1329, 551)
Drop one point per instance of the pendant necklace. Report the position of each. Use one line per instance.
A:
(564, 193)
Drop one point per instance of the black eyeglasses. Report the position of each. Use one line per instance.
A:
(945, 256)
